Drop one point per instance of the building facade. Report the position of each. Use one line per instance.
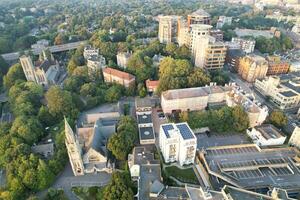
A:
(224, 20)
(123, 58)
(167, 30)
(198, 17)
(90, 51)
(177, 143)
(95, 64)
(295, 137)
(247, 45)
(252, 67)
(277, 66)
(283, 90)
(116, 76)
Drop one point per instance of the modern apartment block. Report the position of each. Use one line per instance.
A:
(167, 30)
(252, 67)
(200, 16)
(177, 143)
(95, 63)
(283, 90)
(123, 58)
(277, 66)
(224, 20)
(247, 45)
(46, 71)
(116, 76)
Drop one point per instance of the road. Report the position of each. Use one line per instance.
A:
(67, 180)
(56, 48)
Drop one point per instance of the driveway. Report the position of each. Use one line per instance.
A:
(67, 180)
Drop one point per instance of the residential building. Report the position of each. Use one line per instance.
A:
(295, 137)
(256, 112)
(143, 108)
(167, 30)
(113, 75)
(283, 90)
(193, 99)
(95, 64)
(232, 58)
(218, 34)
(152, 85)
(247, 45)
(40, 44)
(198, 17)
(90, 51)
(46, 71)
(277, 66)
(254, 33)
(177, 143)
(252, 67)
(184, 35)
(223, 20)
(266, 135)
(123, 58)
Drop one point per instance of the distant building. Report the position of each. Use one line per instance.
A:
(198, 17)
(252, 67)
(283, 90)
(218, 34)
(167, 30)
(40, 44)
(177, 143)
(266, 135)
(247, 45)
(46, 71)
(295, 137)
(254, 33)
(152, 85)
(223, 20)
(113, 75)
(46, 149)
(144, 119)
(156, 59)
(123, 58)
(277, 66)
(90, 51)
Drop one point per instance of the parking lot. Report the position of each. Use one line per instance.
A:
(204, 141)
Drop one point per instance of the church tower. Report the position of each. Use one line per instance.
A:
(74, 150)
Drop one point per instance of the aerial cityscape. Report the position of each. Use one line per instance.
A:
(150, 100)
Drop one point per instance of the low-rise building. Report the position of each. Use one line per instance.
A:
(144, 119)
(254, 33)
(295, 137)
(252, 67)
(177, 143)
(116, 76)
(152, 85)
(266, 135)
(277, 66)
(123, 58)
(283, 90)
(45, 149)
(247, 45)
(218, 34)
(193, 99)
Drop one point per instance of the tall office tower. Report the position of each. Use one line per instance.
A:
(167, 30)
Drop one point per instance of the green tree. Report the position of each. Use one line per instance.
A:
(14, 74)
(278, 118)
(240, 119)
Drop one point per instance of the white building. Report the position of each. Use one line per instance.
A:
(266, 135)
(247, 45)
(167, 30)
(123, 58)
(283, 90)
(295, 137)
(90, 51)
(223, 20)
(95, 63)
(177, 143)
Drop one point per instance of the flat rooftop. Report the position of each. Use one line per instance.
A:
(269, 131)
(144, 119)
(146, 133)
(249, 167)
(182, 129)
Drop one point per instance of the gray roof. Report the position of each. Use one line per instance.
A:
(144, 119)
(146, 133)
(156, 187)
(288, 94)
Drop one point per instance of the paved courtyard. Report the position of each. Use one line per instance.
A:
(203, 141)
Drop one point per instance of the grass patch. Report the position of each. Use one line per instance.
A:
(91, 193)
(183, 175)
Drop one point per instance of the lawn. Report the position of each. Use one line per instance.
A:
(183, 175)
